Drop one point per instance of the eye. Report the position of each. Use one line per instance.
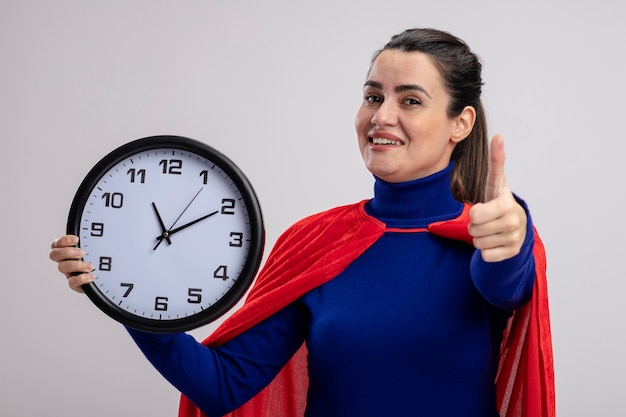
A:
(411, 101)
(372, 98)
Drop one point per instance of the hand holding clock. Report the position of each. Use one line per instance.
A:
(104, 255)
(68, 257)
(78, 273)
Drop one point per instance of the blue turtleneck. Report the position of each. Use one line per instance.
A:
(416, 203)
(412, 327)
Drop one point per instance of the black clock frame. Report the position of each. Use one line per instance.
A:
(257, 238)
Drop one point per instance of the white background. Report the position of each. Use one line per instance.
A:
(276, 85)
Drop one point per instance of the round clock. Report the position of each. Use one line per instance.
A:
(174, 231)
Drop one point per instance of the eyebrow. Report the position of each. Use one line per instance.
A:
(399, 88)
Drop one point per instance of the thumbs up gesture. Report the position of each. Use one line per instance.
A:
(498, 225)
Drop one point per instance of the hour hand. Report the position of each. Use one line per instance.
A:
(164, 233)
(167, 234)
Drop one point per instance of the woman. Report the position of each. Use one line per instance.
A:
(400, 301)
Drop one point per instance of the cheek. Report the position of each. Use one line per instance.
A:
(362, 121)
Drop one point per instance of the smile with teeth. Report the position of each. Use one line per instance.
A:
(385, 141)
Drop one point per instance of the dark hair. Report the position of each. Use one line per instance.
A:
(460, 70)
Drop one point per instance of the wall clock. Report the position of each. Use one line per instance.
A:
(174, 230)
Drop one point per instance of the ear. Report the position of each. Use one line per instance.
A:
(463, 124)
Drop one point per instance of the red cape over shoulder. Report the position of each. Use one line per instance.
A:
(317, 249)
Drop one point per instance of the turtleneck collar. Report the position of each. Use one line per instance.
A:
(414, 203)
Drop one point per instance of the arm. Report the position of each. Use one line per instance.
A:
(215, 379)
(221, 379)
(507, 284)
(503, 267)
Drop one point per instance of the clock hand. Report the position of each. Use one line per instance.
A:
(186, 225)
(183, 212)
(165, 233)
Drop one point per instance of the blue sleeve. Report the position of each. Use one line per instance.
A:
(219, 380)
(507, 284)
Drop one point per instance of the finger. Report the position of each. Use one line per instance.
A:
(503, 226)
(485, 239)
(501, 238)
(496, 180)
(492, 211)
(480, 213)
(74, 267)
(497, 254)
(76, 282)
(66, 252)
(63, 241)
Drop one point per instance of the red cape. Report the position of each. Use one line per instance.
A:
(317, 249)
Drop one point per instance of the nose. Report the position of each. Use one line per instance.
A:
(385, 115)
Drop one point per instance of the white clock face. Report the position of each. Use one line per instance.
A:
(168, 232)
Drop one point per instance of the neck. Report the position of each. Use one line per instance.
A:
(414, 203)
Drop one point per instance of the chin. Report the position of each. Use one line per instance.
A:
(385, 175)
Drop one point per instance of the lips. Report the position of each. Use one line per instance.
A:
(383, 138)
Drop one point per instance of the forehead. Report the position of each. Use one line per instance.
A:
(394, 67)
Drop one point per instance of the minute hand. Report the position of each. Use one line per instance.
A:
(186, 225)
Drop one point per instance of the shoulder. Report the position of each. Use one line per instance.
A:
(339, 222)
(330, 215)
(341, 217)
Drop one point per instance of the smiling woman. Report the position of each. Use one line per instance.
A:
(430, 74)
(403, 126)
(414, 302)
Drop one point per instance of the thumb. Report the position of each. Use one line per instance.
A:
(496, 180)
